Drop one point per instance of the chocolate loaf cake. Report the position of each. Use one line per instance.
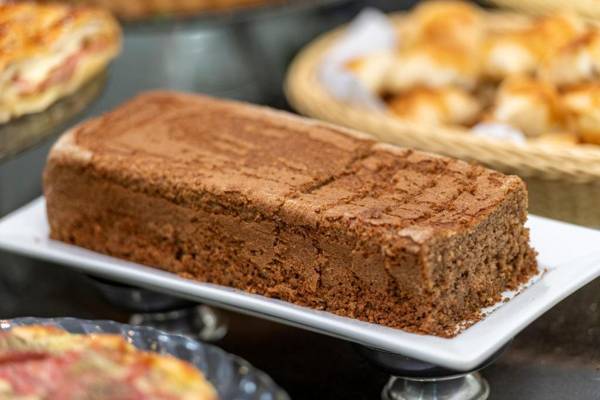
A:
(290, 208)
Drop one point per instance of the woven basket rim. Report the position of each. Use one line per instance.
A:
(584, 8)
(306, 94)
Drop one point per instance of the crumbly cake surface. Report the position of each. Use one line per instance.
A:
(290, 208)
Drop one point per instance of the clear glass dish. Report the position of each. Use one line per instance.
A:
(233, 377)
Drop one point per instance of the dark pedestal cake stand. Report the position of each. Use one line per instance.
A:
(417, 380)
(163, 311)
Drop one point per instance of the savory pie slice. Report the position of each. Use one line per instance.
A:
(23, 132)
(41, 362)
(140, 9)
(48, 51)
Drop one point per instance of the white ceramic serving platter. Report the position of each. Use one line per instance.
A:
(570, 254)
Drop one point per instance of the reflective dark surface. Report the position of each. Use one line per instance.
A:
(557, 357)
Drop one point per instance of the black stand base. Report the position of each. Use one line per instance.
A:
(164, 312)
(199, 321)
(417, 380)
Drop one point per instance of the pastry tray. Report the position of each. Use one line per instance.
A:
(232, 377)
(569, 256)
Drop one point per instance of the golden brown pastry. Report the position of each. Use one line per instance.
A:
(506, 54)
(49, 51)
(371, 70)
(576, 62)
(451, 23)
(431, 65)
(136, 9)
(529, 105)
(582, 105)
(521, 51)
(439, 47)
(446, 105)
(558, 29)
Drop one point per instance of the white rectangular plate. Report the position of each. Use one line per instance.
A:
(570, 254)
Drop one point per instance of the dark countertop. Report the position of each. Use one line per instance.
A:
(557, 357)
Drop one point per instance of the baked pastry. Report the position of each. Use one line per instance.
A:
(431, 65)
(529, 105)
(442, 106)
(506, 54)
(582, 104)
(49, 51)
(139, 9)
(372, 71)
(436, 49)
(521, 51)
(457, 65)
(575, 63)
(454, 24)
(42, 362)
(421, 66)
(23, 132)
(290, 208)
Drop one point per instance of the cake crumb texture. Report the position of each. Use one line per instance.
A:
(293, 209)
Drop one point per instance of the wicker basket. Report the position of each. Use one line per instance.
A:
(587, 8)
(564, 183)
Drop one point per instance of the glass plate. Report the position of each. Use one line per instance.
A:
(233, 377)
